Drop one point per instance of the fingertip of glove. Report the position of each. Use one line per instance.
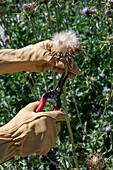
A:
(59, 116)
(32, 106)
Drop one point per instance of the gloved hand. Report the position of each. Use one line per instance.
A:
(29, 132)
(33, 58)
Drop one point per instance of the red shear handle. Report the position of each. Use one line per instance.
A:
(56, 108)
(41, 105)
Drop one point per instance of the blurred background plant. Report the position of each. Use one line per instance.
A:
(89, 97)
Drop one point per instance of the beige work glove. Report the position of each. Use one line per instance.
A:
(33, 58)
(29, 132)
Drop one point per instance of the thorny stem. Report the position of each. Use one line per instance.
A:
(46, 85)
(110, 96)
(68, 122)
(105, 108)
(49, 19)
(33, 29)
(9, 110)
(38, 93)
(37, 41)
(29, 85)
(56, 18)
(78, 114)
(52, 32)
(11, 43)
(16, 77)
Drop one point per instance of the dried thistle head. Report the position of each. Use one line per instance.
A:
(64, 42)
(95, 161)
(64, 46)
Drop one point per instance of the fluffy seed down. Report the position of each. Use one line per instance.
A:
(64, 46)
(64, 42)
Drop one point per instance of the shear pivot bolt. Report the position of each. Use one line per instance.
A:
(58, 89)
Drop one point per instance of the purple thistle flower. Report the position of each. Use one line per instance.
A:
(25, 6)
(85, 10)
(28, 6)
(108, 90)
(110, 37)
(107, 128)
(5, 39)
(94, 10)
(46, 18)
(110, 1)
(107, 11)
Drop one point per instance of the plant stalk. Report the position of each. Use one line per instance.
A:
(33, 29)
(68, 122)
(49, 19)
(37, 41)
(46, 85)
(52, 32)
(78, 114)
(30, 87)
(11, 43)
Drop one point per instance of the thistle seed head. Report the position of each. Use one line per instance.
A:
(65, 41)
(64, 46)
(95, 161)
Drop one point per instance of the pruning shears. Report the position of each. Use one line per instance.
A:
(53, 96)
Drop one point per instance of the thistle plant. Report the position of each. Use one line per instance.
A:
(3, 5)
(64, 46)
(87, 98)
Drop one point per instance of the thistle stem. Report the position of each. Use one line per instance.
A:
(78, 114)
(37, 41)
(49, 19)
(11, 43)
(68, 123)
(51, 27)
(38, 93)
(33, 29)
(30, 87)
(56, 18)
(46, 85)
(23, 95)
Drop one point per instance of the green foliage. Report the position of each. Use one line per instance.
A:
(90, 107)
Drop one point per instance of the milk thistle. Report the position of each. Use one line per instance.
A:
(5, 39)
(85, 10)
(108, 90)
(110, 1)
(27, 7)
(107, 11)
(107, 128)
(94, 11)
(64, 46)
